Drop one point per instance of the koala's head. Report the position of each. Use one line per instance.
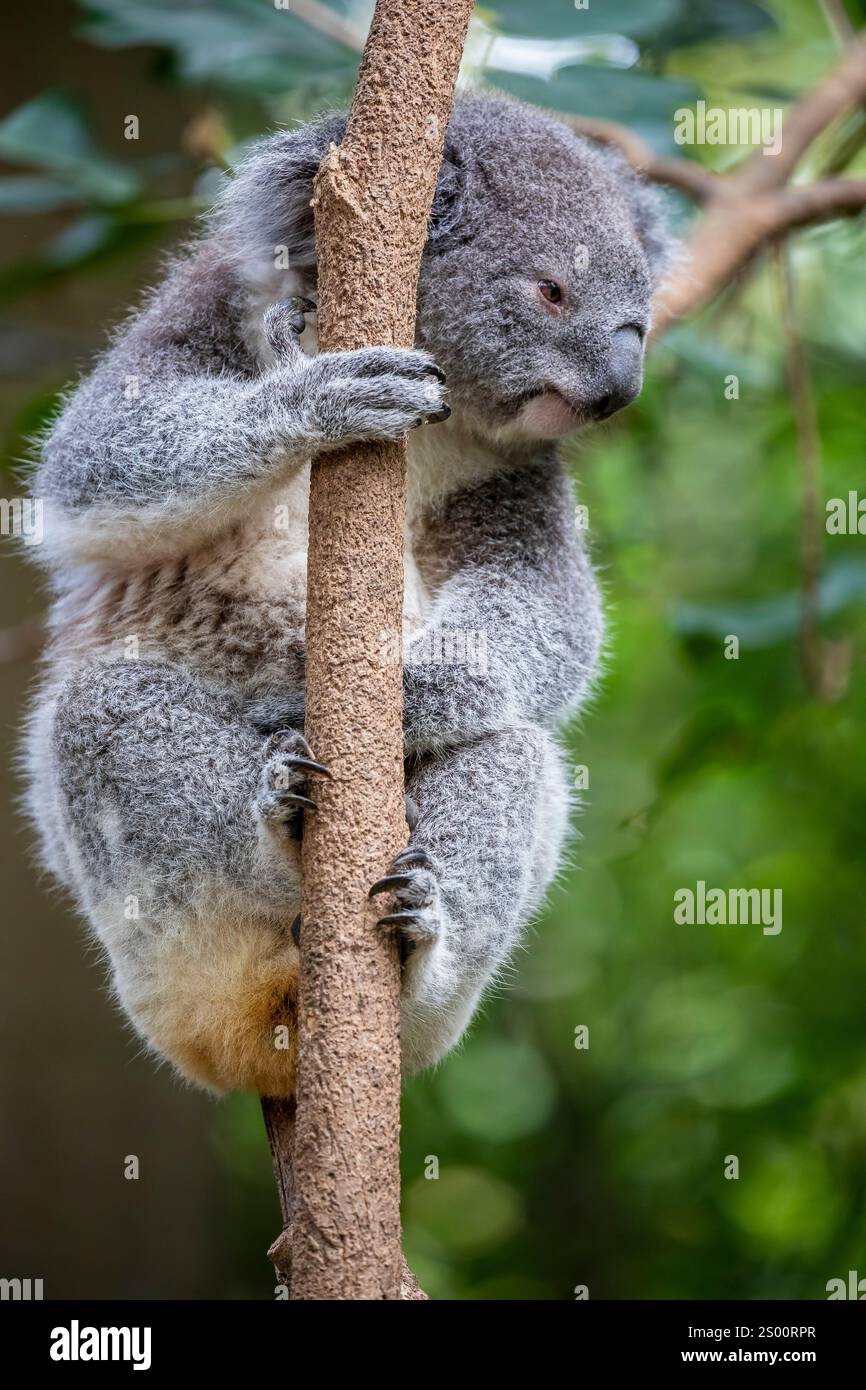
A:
(535, 287)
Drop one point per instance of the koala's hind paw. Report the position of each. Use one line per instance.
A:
(284, 323)
(414, 882)
(283, 785)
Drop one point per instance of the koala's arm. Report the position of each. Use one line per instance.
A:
(180, 424)
(515, 631)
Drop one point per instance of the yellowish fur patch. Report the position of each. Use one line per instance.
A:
(226, 1014)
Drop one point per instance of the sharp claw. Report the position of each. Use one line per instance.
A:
(392, 881)
(436, 371)
(399, 919)
(413, 854)
(298, 307)
(440, 415)
(311, 764)
(296, 930)
(297, 800)
(295, 737)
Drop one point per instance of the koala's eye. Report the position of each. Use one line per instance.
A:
(551, 291)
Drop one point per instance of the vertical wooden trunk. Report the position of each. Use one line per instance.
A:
(373, 198)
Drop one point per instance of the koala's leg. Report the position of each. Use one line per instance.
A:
(178, 818)
(492, 817)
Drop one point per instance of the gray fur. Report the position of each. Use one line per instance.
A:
(162, 762)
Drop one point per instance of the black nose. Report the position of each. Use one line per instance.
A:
(624, 374)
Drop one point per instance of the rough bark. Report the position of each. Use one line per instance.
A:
(372, 203)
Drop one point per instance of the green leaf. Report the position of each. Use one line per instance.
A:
(635, 98)
(713, 359)
(86, 241)
(703, 21)
(30, 193)
(659, 24)
(771, 621)
(52, 133)
(240, 44)
(80, 241)
(46, 131)
(563, 19)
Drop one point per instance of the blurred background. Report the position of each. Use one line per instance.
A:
(532, 1165)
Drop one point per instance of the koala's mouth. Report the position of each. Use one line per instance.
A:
(512, 407)
(544, 413)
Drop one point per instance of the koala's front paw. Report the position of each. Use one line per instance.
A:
(414, 882)
(283, 785)
(373, 393)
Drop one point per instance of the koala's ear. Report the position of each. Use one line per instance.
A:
(448, 225)
(653, 228)
(263, 214)
(648, 212)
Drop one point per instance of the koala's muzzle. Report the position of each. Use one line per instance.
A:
(590, 376)
(621, 381)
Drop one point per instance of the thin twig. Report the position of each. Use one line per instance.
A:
(824, 664)
(841, 89)
(838, 21)
(279, 1117)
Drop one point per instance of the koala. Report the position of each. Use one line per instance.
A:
(167, 769)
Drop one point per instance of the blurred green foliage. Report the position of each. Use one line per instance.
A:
(532, 1164)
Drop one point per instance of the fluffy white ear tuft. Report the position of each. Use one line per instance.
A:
(263, 214)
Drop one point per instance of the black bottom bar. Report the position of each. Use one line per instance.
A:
(250, 1338)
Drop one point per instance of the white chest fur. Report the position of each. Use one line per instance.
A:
(275, 556)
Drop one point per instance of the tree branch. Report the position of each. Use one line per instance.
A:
(838, 22)
(735, 228)
(373, 196)
(841, 89)
(820, 201)
(279, 1118)
(740, 215)
(753, 206)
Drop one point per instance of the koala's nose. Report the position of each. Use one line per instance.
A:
(622, 380)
